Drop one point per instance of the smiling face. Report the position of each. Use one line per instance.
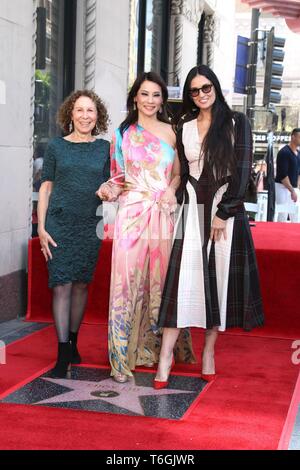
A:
(203, 100)
(84, 115)
(149, 98)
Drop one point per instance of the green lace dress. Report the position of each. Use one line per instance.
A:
(74, 218)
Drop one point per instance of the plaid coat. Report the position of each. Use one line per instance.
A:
(244, 304)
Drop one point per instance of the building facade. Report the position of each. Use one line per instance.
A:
(49, 48)
(290, 93)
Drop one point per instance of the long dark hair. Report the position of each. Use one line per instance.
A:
(218, 145)
(132, 114)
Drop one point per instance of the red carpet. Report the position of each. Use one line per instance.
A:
(245, 408)
(291, 418)
(278, 255)
(39, 295)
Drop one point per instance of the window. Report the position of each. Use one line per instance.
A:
(200, 39)
(149, 37)
(48, 10)
(54, 76)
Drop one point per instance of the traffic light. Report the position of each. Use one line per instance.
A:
(274, 69)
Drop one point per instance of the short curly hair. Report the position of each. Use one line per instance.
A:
(64, 115)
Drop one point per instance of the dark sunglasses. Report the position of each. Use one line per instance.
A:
(205, 89)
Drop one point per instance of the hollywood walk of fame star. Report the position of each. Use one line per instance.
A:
(124, 396)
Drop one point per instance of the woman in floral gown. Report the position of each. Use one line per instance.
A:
(144, 178)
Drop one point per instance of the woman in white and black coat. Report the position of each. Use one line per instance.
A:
(212, 280)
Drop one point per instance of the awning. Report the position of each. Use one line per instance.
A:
(288, 9)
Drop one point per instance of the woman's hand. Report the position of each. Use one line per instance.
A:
(168, 201)
(45, 240)
(218, 228)
(106, 193)
(294, 195)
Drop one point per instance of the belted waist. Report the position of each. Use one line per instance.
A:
(148, 194)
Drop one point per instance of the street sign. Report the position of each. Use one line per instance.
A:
(242, 53)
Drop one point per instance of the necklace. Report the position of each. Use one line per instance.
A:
(76, 139)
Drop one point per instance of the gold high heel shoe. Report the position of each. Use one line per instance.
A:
(150, 364)
(120, 378)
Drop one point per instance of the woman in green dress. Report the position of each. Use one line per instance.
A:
(74, 167)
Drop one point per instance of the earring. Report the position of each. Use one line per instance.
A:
(161, 110)
(134, 106)
(71, 126)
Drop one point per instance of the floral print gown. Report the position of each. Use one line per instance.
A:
(141, 164)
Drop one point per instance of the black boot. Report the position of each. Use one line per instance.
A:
(63, 362)
(75, 358)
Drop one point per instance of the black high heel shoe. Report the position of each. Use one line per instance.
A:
(75, 356)
(63, 363)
